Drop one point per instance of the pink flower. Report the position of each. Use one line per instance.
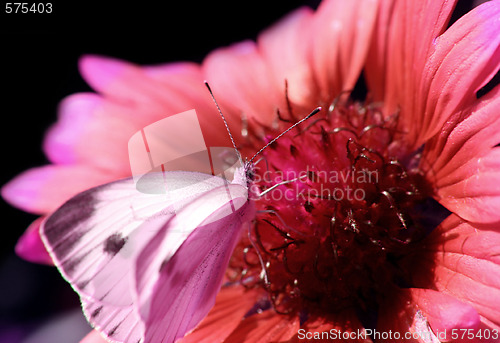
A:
(383, 257)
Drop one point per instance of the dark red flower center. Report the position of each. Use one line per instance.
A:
(339, 207)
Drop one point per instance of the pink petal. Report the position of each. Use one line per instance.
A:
(466, 260)
(186, 83)
(155, 92)
(340, 37)
(456, 149)
(410, 312)
(267, 326)
(463, 60)
(284, 47)
(41, 190)
(476, 196)
(377, 60)
(399, 314)
(96, 132)
(445, 313)
(182, 74)
(457, 282)
(93, 337)
(92, 131)
(404, 36)
(30, 246)
(241, 82)
(232, 303)
(130, 84)
(102, 73)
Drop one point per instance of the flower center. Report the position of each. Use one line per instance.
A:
(339, 207)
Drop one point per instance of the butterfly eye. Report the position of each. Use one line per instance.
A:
(249, 171)
(250, 174)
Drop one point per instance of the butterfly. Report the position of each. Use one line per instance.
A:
(147, 255)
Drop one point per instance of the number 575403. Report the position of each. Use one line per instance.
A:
(26, 7)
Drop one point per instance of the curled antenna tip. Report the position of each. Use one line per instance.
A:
(316, 110)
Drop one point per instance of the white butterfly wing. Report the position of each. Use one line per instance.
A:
(111, 241)
(108, 319)
(96, 237)
(113, 306)
(175, 294)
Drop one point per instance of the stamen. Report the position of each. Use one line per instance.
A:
(264, 270)
(316, 251)
(289, 104)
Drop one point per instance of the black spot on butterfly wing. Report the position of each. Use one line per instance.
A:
(60, 226)
(114, 244)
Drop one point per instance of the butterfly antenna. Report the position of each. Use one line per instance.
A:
(225, 122)
(316, 110)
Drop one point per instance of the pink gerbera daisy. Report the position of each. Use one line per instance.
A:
(392, 226)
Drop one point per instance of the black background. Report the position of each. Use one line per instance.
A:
(39, 54)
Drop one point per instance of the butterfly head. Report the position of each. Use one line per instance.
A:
(249, 169)
(245, 175)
